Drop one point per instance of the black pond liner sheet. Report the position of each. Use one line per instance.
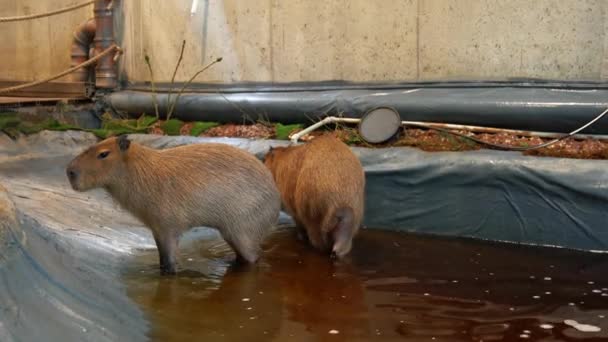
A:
(61, 252)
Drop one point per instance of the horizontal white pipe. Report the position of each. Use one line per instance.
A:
(332, 119)
(327, 120)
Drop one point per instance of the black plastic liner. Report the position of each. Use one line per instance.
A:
(493, 195)
(537, 108)
(61, 254)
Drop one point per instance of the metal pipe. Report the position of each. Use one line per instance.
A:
(105, 70)
(81, 49)
(539, 110)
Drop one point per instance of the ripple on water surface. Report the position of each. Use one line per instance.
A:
(394, 286)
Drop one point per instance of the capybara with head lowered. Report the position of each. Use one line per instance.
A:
(175, 189)
(322, 187)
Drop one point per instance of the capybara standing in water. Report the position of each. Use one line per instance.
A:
(173, 190)
(322, 187)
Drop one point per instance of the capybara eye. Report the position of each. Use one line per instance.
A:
(103, 154)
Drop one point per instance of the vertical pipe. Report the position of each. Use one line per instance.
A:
(81, 45)
(105, 71)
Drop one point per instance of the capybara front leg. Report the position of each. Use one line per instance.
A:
(246, 251)
(166, 243)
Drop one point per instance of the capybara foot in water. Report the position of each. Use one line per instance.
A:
(173, 190)
(322, 187)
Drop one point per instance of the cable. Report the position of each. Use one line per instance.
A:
(514, 148)
(61, 74)
(47, 14)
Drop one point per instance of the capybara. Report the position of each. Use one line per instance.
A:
(173, 190)
(322, 187)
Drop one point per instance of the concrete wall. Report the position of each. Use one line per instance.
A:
(313, 40)
(37, 48)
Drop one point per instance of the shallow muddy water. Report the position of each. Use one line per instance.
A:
(395, 287)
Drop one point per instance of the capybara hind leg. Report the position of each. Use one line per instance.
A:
(343, 232)
(166, 243)
(301, 232)
(316, 239)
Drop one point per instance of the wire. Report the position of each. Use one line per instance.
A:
(63, 73)
(515, 148)
(46, 14)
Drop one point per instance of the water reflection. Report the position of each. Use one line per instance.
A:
(393, 287)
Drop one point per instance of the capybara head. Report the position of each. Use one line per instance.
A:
(99, 164)
(273, 155)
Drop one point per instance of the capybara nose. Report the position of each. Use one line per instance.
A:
(72, 174)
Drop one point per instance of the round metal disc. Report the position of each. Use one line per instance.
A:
(379, 125)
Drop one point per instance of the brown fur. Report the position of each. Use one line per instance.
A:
(173, 190)
(322, 187)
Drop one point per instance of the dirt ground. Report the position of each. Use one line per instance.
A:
(432, 141)
(427, 140)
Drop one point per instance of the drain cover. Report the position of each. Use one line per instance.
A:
(379, 125)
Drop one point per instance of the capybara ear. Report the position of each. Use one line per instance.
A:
(123, 142)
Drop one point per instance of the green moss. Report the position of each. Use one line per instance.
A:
(50, 124)
(8, 120)
(58, 126)
(146, 121)
(172, 127)
(118, 126)
(123, 125)
(106, 133)
(13, 126)
(469, 143)
(200, 127)
(100, 132)
(31, 128)
(354, 138)
(112, 127)
(282, 132)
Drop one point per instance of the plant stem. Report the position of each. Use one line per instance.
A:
(154, 100)
(179, 61)
(187, 83)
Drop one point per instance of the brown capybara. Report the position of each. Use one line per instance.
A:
(173, 190)
(322, 187)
